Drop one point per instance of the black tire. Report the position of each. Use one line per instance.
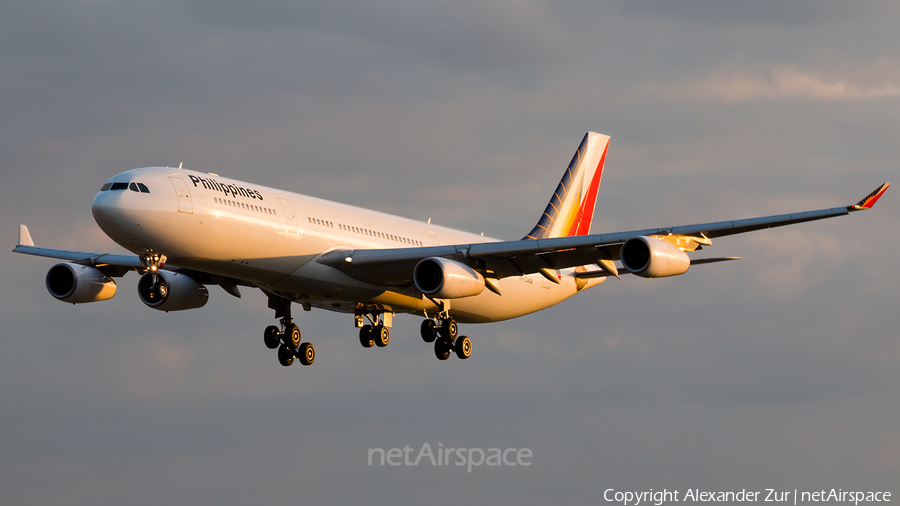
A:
(307, 354)
(463, 347)
(272, 337)
(381, 335)
(365, 336)
(442, 349)
(449, 329)
(285, 355)
(429, 331)
(292, 336)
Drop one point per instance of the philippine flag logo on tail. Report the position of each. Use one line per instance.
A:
(571, 208)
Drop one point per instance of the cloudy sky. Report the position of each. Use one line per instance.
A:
(782, 370)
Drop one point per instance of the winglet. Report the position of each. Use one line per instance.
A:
(24, 237)
(873, 197)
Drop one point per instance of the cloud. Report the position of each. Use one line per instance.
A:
(794, 261)
(778, 82)
(467, 112)
(759, 12)
(464, 35)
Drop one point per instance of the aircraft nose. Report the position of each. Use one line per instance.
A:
(106, 208)
(100, 204)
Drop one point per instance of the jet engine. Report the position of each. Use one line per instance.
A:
(649, 257)
(171, 291)
(446, 279)
(78, 284)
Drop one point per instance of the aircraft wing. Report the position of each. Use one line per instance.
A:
(83, 257)
(119, 264)
(394, 267)
(116, 265)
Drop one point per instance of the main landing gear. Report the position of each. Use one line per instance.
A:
(287, 339)
(443, 333)
(377, 332)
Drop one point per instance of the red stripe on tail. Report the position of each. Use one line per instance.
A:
(582, 223)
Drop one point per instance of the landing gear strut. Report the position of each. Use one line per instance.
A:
(287, 338)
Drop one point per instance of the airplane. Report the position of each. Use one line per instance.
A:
(188, 230)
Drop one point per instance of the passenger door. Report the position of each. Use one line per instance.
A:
(185, 205)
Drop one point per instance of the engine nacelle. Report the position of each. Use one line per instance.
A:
(446, 279)
(172, 292)
(649, 257)
(78, 284)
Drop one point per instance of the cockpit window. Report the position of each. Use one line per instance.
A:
(135, 187)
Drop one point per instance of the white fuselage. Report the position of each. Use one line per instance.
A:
(270, 238)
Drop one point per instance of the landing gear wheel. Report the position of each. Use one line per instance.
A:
(429, 331)
(442, 349)
(449, 329)
(272, 337)
(381, 335)
(292, 336)
(463, 347)
(285, 355)
(365, 336)
(307, 354)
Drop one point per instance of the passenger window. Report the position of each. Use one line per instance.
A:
(143, 188)
(119, 186)
(105, 187)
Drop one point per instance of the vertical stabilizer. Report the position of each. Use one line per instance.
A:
(571, 208)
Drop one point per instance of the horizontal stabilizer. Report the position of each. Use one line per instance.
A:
(596, 274)
(604, 273)
(699, 261)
